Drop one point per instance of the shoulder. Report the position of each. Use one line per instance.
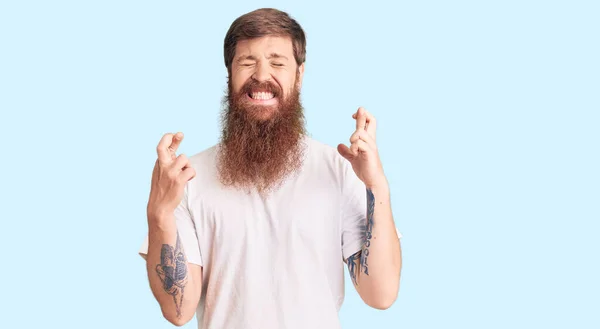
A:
(317, 149)
(205, 162)
(205, 157)
(326, 162)
(205, 165)
(323, 157)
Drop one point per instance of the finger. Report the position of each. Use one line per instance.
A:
(354, 149)
(371, 125)
(181, 162)
(358, 147)
(187, 174)
(361, 119)
(362, 134)
(164, 157)
(363, 146)
(176, 141)
(345, 152)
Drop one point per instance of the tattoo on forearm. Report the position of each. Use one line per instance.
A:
(369, 232)
(358, 261)
(172, 272)
(353, 266)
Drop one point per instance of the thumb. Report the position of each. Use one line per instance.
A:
(187, 174)
(345, 152)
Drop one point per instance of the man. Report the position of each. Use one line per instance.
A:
(253, 232)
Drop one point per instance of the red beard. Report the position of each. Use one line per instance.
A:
(260, 146)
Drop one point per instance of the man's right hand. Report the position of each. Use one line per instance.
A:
(169, 177)
(175, 283)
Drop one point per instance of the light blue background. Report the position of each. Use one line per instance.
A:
(488, 129)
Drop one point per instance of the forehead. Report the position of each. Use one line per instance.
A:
(265, 46)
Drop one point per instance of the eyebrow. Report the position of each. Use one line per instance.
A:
(253, 58)
(276, 55)
(243, 58)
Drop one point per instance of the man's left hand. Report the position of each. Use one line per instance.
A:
(362, 152)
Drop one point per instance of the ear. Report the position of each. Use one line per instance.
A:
(300, 76)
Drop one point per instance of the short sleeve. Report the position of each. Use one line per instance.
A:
(187, 232)
(354, 213)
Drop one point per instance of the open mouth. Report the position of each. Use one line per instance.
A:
(261, 95)
(266, 98)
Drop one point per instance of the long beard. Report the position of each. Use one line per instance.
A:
(255, 153)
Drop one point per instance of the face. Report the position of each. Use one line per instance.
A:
(264, 74)
(263, 119)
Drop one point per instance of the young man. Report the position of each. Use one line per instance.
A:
(253, 232)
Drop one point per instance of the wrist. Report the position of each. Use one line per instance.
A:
(169, 229)
(161, 220)
(379, 184)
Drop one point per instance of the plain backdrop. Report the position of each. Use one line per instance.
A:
(488, 131)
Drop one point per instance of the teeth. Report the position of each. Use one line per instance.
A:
(262, 95)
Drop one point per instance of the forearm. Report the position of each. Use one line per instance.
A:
(170, 275)
(377, 275)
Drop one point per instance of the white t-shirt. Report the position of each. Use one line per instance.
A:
(274, 262)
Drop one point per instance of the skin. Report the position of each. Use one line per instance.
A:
(177, 284)
(263, 59)
(375, 269)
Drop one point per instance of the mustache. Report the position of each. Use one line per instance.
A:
(254, 85)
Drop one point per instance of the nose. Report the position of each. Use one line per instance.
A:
(262, 72)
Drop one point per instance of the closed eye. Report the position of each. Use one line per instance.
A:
(277, 64)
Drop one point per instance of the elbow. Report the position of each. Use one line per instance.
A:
(385, 298)
(383, 303)
(177, 320)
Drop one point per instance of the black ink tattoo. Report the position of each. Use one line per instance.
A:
(358, 261)
(369, 232)
(354, 266)
(172, 272)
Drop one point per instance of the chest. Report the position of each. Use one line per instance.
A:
(302, 217)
